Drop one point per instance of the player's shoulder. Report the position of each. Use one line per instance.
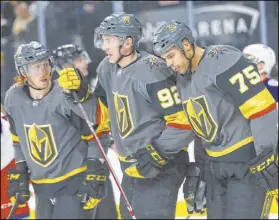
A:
(151, 69)
(219, 58)
(15, 95)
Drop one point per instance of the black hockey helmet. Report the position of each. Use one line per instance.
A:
(66, 54)
(32, 52)
(171, 35)
(120, 24)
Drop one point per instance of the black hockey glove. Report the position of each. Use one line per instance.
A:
(194, 189)
(148, 163)
(71, 79)
(265, 167)
(93, 188)
(18, 183)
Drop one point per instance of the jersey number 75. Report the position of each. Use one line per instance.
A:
(249, 73)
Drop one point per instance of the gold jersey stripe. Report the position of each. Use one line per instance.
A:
(60, 178)
(178, 120)
(231, 148)
(15, 138)
(258, 103)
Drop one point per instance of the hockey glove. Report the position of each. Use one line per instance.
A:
(93, 188)
(194, 190)
(265, 167)
(18, 182)
(148, 163)
(71, 79)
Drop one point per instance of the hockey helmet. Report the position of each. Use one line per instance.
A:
(120, 24)
(32, 52)
(171, 35)
(261, 53)
(66, 54)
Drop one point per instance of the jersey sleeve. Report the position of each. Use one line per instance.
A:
(164, 97)
(243, 84)
(19, 156)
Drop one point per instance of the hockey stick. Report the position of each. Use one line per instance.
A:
(122, 193)
(14, 208)
(267, 206)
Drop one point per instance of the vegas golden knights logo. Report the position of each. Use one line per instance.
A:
(123, 115)
(126, 20)
(171, 28)
(200, 118)
(41, 144)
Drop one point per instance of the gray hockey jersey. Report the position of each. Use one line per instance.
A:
(51, 138)
(144, 105)
(228, 106)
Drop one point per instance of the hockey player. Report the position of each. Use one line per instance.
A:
(53, 146)
(70, 55)
(229, 107)
(146, 117)
(8, 162)
(265, 59)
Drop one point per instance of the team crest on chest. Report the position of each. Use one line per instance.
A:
(123, 115)
(41, 143)
(199, 117)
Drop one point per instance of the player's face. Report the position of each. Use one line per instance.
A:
(111, 47)
(176, 60)
(81, 64)
(38, 74)
(260, 65)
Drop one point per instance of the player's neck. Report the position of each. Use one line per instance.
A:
(198, 55)
(39, 94)
(125, 61)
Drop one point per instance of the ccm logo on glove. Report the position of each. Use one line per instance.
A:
(96, 177)
(155, 155)
(264, 164)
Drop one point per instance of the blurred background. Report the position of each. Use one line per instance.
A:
(54, 23)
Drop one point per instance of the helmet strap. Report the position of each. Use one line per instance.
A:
(189, 70)
(121, 55)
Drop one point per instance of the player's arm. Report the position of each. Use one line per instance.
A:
(71, 81)
(9, 105)
(18, 178)
(94, 103)
(243, 84)
(177, 134)
(93, 187)
(19, 157)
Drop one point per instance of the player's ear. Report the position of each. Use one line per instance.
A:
(186, 45)
(128, 42)
(21, 71)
